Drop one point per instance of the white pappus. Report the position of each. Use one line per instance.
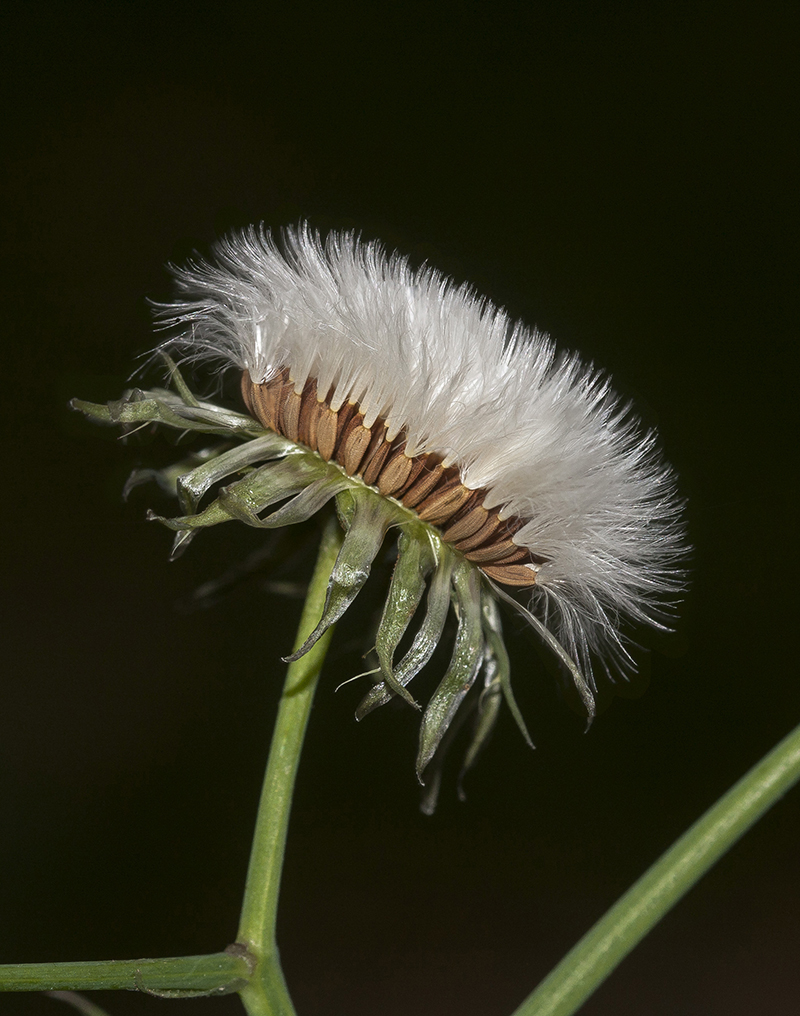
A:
(538, 432)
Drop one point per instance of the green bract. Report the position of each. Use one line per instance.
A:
(266, 471)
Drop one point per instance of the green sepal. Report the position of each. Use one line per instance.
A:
(561, 654)
(497, 685)
(488, 710)
(427, 637)
(366, 518)
(169, 477)
(244, 499)
(191, 487)
(464, 665)
(162, 406)
(299, 508)
(498, 665)
(415, 561)
(176, 378)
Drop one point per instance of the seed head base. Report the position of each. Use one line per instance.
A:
(421, 483)
(268, 469)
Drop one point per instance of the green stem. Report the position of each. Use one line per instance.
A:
(266, 993)
(589, 963)
(218, 972)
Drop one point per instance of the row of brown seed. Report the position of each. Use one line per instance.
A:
(434, 492)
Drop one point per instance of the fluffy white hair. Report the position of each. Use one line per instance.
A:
(541, 431)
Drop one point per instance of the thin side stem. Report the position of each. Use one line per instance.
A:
(266, 993)
(588, 964)
(217, 972)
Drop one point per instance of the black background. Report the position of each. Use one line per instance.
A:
(621, 178)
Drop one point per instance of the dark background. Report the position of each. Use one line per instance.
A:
(620, 178)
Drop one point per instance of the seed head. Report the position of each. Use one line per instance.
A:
(504, 464)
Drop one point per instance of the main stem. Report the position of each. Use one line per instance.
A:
(266, 993)
(583, 969)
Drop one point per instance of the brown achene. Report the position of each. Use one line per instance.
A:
(421, 483)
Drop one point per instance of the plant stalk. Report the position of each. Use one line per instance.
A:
(266, 993)
(590, 962)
